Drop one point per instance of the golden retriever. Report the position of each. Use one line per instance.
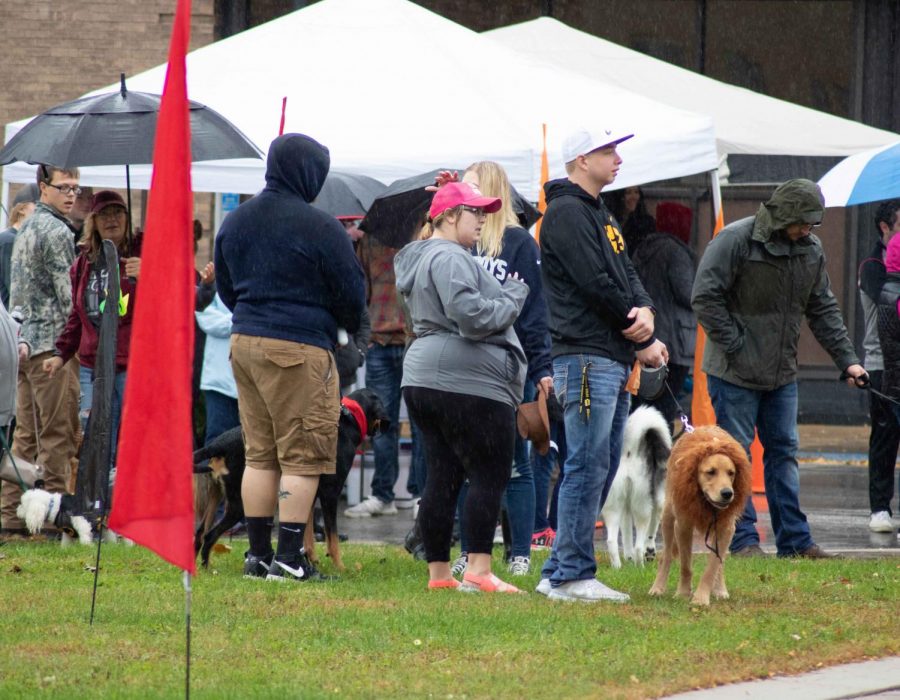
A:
(708, 484)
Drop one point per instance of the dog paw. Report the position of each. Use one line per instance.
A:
(656, 591)
(721, 595)
(700, 600)
(683, 592)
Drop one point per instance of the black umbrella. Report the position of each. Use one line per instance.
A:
(118, 128)
(346, 194)
(399, 211)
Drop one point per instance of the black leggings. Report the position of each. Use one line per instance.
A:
(466, 437)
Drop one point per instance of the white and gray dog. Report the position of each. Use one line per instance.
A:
(39, 508)
(638, 490)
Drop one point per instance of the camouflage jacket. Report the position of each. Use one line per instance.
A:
(40, 286)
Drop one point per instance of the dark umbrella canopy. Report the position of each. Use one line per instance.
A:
(346, 194)
(118, 128)
(399, 211)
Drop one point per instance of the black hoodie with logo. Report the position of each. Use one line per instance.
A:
(589, 282)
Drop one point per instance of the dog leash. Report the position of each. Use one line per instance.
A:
(866, 384)
(682, 416)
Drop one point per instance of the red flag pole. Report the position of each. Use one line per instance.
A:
(283, 110)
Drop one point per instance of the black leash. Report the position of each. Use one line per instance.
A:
(682, 416)
(865, 383)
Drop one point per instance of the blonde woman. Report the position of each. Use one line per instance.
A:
(503, 249)
(462, 380)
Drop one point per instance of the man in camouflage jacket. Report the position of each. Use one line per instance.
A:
(41, 298)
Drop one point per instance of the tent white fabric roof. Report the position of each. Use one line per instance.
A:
(745, 121)
(395, 90)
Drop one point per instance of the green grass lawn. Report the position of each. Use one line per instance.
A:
(380, 633)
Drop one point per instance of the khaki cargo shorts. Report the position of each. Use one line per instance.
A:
(289, 401)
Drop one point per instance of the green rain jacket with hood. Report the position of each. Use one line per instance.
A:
(754, 286)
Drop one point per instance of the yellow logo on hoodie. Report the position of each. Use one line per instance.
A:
(615, 239)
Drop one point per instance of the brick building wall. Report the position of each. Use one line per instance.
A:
(56, 50)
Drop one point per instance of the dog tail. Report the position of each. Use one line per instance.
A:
(655, 441)
(202, 467)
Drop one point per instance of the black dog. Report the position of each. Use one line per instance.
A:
(224, 457)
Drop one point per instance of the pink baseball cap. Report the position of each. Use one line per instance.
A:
(455, 193)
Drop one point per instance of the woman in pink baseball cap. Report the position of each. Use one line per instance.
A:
(462, 380)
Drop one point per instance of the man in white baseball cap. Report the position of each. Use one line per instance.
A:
(600, 320)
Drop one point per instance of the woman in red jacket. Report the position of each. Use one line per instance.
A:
(108, 220)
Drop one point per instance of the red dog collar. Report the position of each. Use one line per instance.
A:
(358, 414)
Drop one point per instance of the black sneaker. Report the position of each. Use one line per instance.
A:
(257, 567)
(298, 568)
(413, 543)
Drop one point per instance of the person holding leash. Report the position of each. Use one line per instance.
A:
(463, 377)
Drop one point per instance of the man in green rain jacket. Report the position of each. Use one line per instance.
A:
(756, 281)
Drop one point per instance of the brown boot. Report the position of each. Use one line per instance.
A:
(751, 550)
(814, 552)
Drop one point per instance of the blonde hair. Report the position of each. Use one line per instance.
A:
(18, 213)
(427, 230)
(493, 182)
(91, 242)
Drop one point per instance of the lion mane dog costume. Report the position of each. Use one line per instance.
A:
(707, 486)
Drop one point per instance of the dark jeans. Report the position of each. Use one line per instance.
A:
(883, 441)
(221, 414)
(384, 371)
(773, 414)
(544, 515)
(466, 437)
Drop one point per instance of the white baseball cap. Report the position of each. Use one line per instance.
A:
(583, 141)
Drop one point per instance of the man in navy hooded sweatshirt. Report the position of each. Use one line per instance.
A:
(288, 273)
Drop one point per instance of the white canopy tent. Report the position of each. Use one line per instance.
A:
(746, 122)
(395, 90)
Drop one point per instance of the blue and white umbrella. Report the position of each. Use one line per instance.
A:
(869, 176)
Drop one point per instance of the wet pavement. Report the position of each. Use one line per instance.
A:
(833, 494)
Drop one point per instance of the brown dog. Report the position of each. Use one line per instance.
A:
(708, 484)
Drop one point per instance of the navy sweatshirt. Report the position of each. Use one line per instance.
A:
(520, 253)
(589, 281)
(285, 269)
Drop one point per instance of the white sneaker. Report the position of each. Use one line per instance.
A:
(459, 565)
(587, 591)
(498, 535)
(881, 522)
(544, 587)
(416, 508)
(369, 507)
(519, 566)
(405, 503)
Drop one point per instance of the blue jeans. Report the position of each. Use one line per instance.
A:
(221, 414)
(594, 446)
(384, 371)
(774, 415)
(86, 380)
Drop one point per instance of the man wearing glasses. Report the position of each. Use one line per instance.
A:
(41, 298)
(756, 282)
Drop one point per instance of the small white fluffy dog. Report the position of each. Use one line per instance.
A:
(637, 493)
(38, 508)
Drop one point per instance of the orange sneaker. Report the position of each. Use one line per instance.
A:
(486, 584)
(434, 584)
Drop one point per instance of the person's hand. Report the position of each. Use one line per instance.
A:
(545, 384)
(52, 364)
(133, 267)
(653, 355)
(857, 375)
(208, 274)
(23, 352)
(642, 327)
(441, 179)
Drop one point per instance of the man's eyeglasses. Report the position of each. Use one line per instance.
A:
(66, 189)
(477, 211)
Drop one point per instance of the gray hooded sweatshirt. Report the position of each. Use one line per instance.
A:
(462, 318)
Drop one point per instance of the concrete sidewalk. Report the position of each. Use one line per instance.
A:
(871, 679)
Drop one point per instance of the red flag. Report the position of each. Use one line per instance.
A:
(153, 495)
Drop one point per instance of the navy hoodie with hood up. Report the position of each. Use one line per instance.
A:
(285, 269)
